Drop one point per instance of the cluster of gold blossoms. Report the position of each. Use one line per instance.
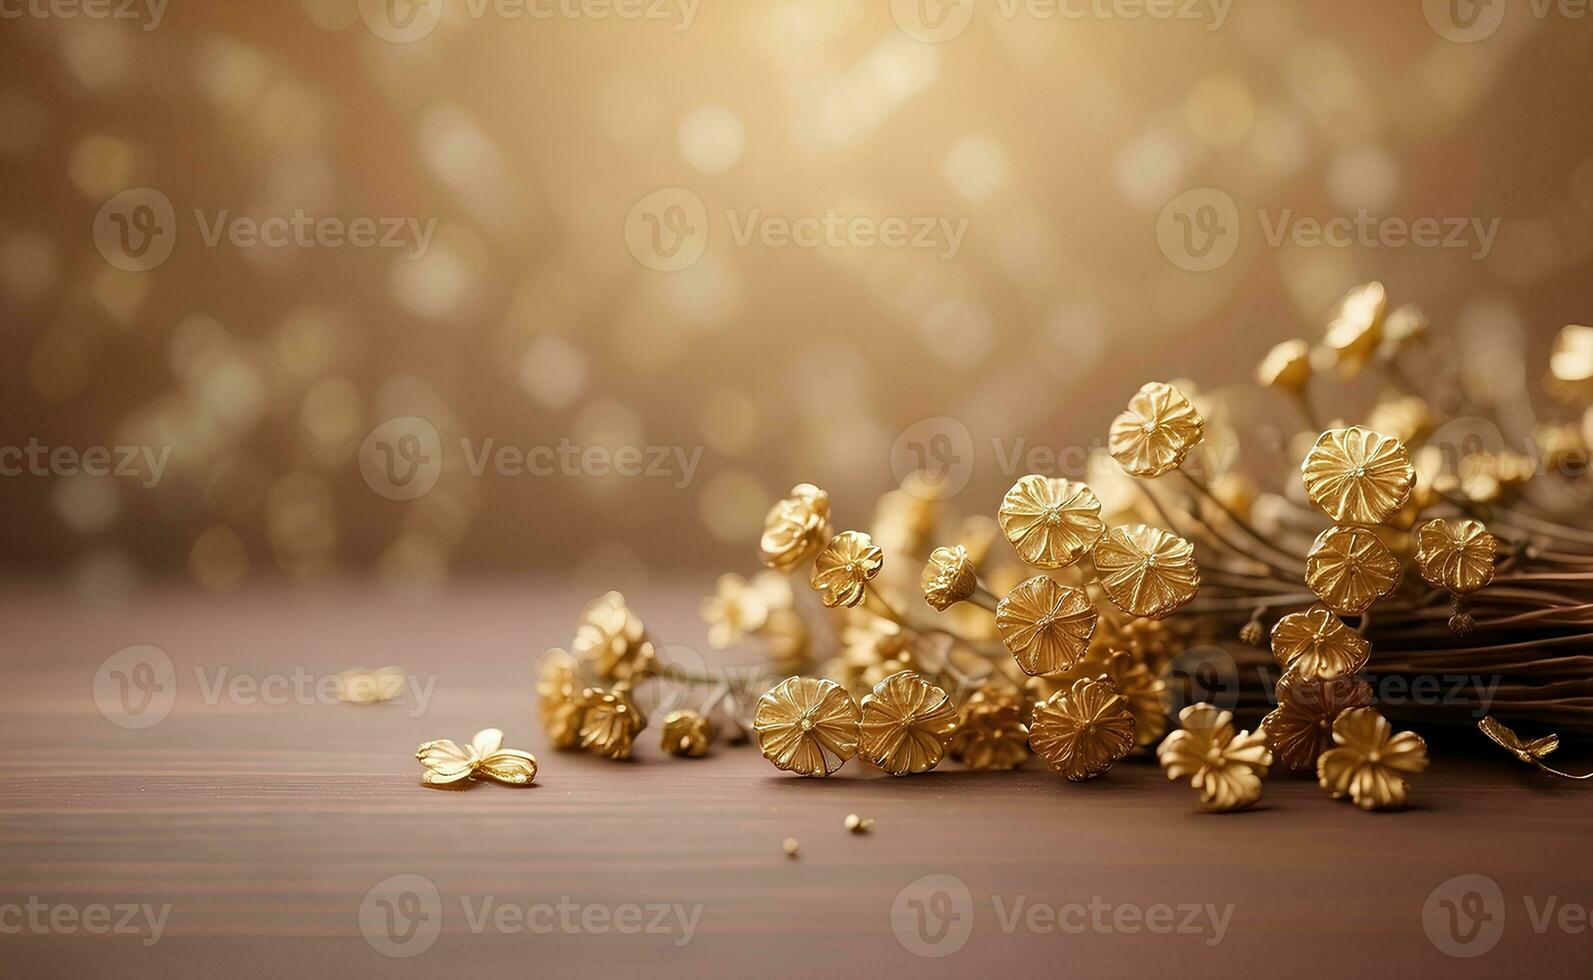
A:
(1060, 647)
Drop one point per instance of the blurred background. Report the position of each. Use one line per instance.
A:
(658, 230)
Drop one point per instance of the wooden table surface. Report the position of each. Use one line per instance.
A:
(266, 828)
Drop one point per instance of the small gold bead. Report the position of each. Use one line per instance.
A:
(859, 825)
(791, 847)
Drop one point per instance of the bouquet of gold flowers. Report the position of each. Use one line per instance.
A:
(1392, 568)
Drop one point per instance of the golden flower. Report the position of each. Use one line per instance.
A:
(1531, 753)
(1130, 675)
(1356, 329)
(1456, 555)
(1358, 475)
(1226, 766)
(735, 609)
(559, 689)
(1286, 367)
(907, 724)
(1317, 644)
(1350, 568)
(795, 528)
(1300, 728)
(612, 641)
(1051, 522)
(611, 724)
(948, 578)
(485, 758)
(1147, 571)
(807, 726)
(843, 569)
(991, 733)
(1082, 732)
(1159, 428)
(1368, 760)
(1046, 625)
(687, 733)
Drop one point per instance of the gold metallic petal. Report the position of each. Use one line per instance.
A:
(907, 724)
(949, 577)
(1046, 625)
(1350, 569)
(844, 567)
(1369, 760)
(1147, 571)
(1300, 728)
(1456, 555)
(1051, 522)
(1082, 732)
(1317, 644)
(807, 726)
(795, 528)
(1156, 432)
(1358, 476)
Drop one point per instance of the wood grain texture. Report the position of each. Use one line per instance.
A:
(264, 827)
